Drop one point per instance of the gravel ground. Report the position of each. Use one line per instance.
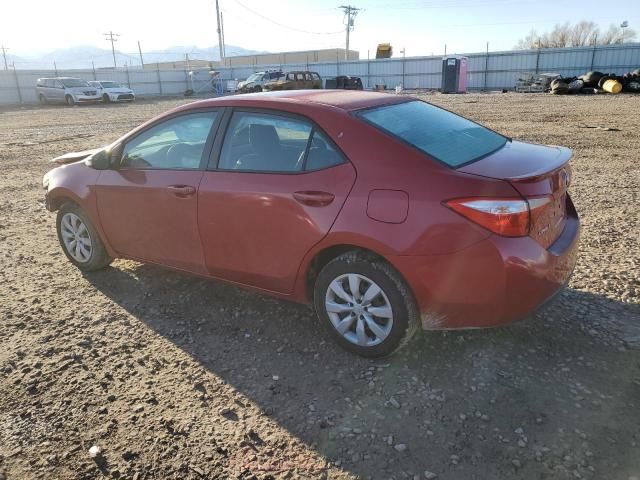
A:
(177, 377)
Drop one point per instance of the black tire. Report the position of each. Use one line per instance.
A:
(42, 100)
(406, 318)
(70, 101)
(106, 98)
(99, 258)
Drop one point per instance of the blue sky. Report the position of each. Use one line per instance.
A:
(422, 27)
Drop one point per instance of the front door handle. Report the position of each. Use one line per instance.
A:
(182, 190)
(313, 198)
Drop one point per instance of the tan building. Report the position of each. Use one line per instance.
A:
(181, 65)
(284, 58)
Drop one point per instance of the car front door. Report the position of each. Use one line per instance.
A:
(277, 189)
(148, 203)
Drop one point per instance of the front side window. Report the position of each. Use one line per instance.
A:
(177, 143)
(264, 142)
(443, 135)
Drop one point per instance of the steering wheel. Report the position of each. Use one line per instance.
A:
(179, 152)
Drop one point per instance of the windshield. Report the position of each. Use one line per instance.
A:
(73, 82)
(255, 77)
(110, 85)
(440, 134)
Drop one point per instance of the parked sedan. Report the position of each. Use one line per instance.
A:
(112, 91)
(434, 222)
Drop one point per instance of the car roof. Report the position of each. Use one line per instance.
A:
(344, 99)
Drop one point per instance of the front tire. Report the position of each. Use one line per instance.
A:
(365, 304)
(70, 101)
(79, 239)
(42, 99)
(106, 98)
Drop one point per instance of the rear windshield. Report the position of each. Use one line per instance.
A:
(440, 134)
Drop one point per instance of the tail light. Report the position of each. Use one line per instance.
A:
(509, 217)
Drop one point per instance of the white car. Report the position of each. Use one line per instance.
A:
(112, 91)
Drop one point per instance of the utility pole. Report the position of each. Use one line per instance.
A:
(4, 55)
(220, 47)
(140, 51)
(224, 43)
(350, 12)
(111, 37)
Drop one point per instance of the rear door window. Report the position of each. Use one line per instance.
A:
(260, 142)
(444, 136)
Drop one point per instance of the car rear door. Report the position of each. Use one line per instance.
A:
(148, 204)
(273, 190)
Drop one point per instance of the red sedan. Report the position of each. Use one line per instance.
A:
(384, 211)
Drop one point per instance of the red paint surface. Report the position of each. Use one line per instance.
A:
(263, 230)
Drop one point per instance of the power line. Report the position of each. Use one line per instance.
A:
(350, 13)
(111, 37)
(283, 25)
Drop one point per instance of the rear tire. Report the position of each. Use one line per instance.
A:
(79, 239)
(366, 322)
(70, 101)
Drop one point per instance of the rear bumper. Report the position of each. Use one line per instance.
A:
(493, 282)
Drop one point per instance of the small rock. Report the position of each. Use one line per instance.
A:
(401, 447)
(394, 403)
(95, 451)
(516, 463)
(275, 378)
(430, 475)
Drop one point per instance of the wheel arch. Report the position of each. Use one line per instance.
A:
(323, 256)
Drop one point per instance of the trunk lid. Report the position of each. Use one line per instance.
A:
(540, 174)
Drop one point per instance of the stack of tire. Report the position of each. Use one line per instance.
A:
(597, 82)
(631, 81)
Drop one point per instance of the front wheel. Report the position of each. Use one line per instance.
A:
(42, 99)
(365, 304)
(70, 101)
(80, 240)
(106, 98)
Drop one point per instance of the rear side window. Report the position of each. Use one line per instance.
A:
(443, 135)
(321, 153)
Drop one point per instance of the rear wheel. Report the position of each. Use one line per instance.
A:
(365, 304)
(70, 101)
(80, 240)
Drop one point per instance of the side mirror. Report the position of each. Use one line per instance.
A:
(100, 160)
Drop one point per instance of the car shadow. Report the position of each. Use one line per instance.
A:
(499, 403)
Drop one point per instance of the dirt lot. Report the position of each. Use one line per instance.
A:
(177, 377)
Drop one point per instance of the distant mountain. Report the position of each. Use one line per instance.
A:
(82, 56)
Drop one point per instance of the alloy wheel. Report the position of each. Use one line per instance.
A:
(359, 309)
(75, 237)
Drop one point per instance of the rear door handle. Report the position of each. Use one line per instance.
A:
(313, 198)
(182, 190)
